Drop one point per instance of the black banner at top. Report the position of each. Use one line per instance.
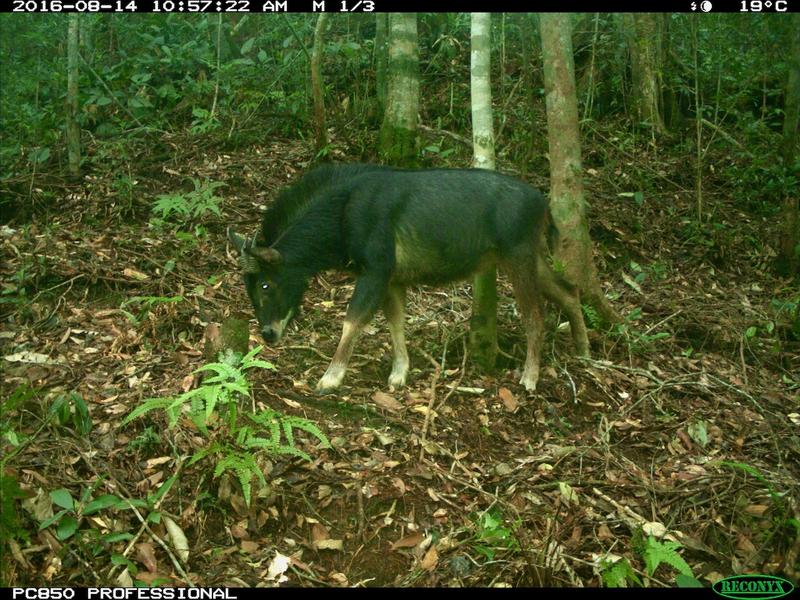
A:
(368, 6)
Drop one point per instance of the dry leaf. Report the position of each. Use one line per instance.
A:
(178, 538)
(319, 533)
(430, 559)
(328, 545)
(408, 542)
(386, 401)
(509, 401)
(134, 274)
(277, 568)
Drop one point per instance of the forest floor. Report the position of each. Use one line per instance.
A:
(680, 438)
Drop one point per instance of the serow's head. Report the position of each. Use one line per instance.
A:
(273, 290)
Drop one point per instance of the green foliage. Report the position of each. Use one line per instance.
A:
(637, 341)
(216, 401)
(10, 492)
(68, 519)
(191, 205)
(149, 439)
(72, 410)
(492, 535)
(592, 316)
(655, 552)
(619, 574)
(146, 304)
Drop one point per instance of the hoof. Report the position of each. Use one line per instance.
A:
(397, 382)
(330, 381)
(529, 382)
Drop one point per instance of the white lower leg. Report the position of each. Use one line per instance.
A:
(334, 375)
(395, 316)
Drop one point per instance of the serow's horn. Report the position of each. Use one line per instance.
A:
(248, 263)
(236, 240)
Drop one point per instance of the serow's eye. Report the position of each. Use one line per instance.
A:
(265, 286)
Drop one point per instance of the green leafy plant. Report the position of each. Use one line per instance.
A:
(71, 409)
(492, 535)
(619, 574)
(216, 401)
(68, 519)
(146, 304)
(656, 552)
(638, 341)
(185, 207)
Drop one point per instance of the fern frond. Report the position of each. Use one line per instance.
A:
(244, 466)
(146, 406)
(656, 552)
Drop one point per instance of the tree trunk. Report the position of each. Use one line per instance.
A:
(567, 202)
(398, 136)
(644, 41)
(789, 244)
(483, 324)
(381, 61)
(317, 87)
(73, 129)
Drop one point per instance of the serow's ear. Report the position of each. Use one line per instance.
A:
(236, 240)
(265, 255)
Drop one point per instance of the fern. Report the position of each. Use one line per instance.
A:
(274, 423)
(147, 406)
(169, 204)
(618, 574)
(656, 552)
(220, 393)
(592, 316)
(244, 466)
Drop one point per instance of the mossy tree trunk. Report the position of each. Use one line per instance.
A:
(789, 243)
(644, 40)
(381, 60)
(317, 86)
(398, 143)
(73, 129)
(567, 199)
(483, 324)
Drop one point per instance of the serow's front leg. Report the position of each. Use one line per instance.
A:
(368, 295)
(334, 376)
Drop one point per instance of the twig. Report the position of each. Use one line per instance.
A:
(727, 136)
(437, 371)
(450, 134)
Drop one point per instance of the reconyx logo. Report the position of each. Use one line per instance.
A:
(753, 587)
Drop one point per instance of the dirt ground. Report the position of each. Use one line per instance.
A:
(684, 427)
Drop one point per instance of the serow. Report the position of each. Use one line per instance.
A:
(399, 227)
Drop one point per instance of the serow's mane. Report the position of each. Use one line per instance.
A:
(292, 201)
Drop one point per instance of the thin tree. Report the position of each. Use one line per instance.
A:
(381, 60)
(567, 198)
(789, 244)
(317, 87)
(483, 324)
(73, 129)
(398, 136)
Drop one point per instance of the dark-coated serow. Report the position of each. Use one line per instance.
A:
(394, 228)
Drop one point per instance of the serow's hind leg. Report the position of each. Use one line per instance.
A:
(394, 308)
(367, 297)
(561, 293)
(530, 304)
